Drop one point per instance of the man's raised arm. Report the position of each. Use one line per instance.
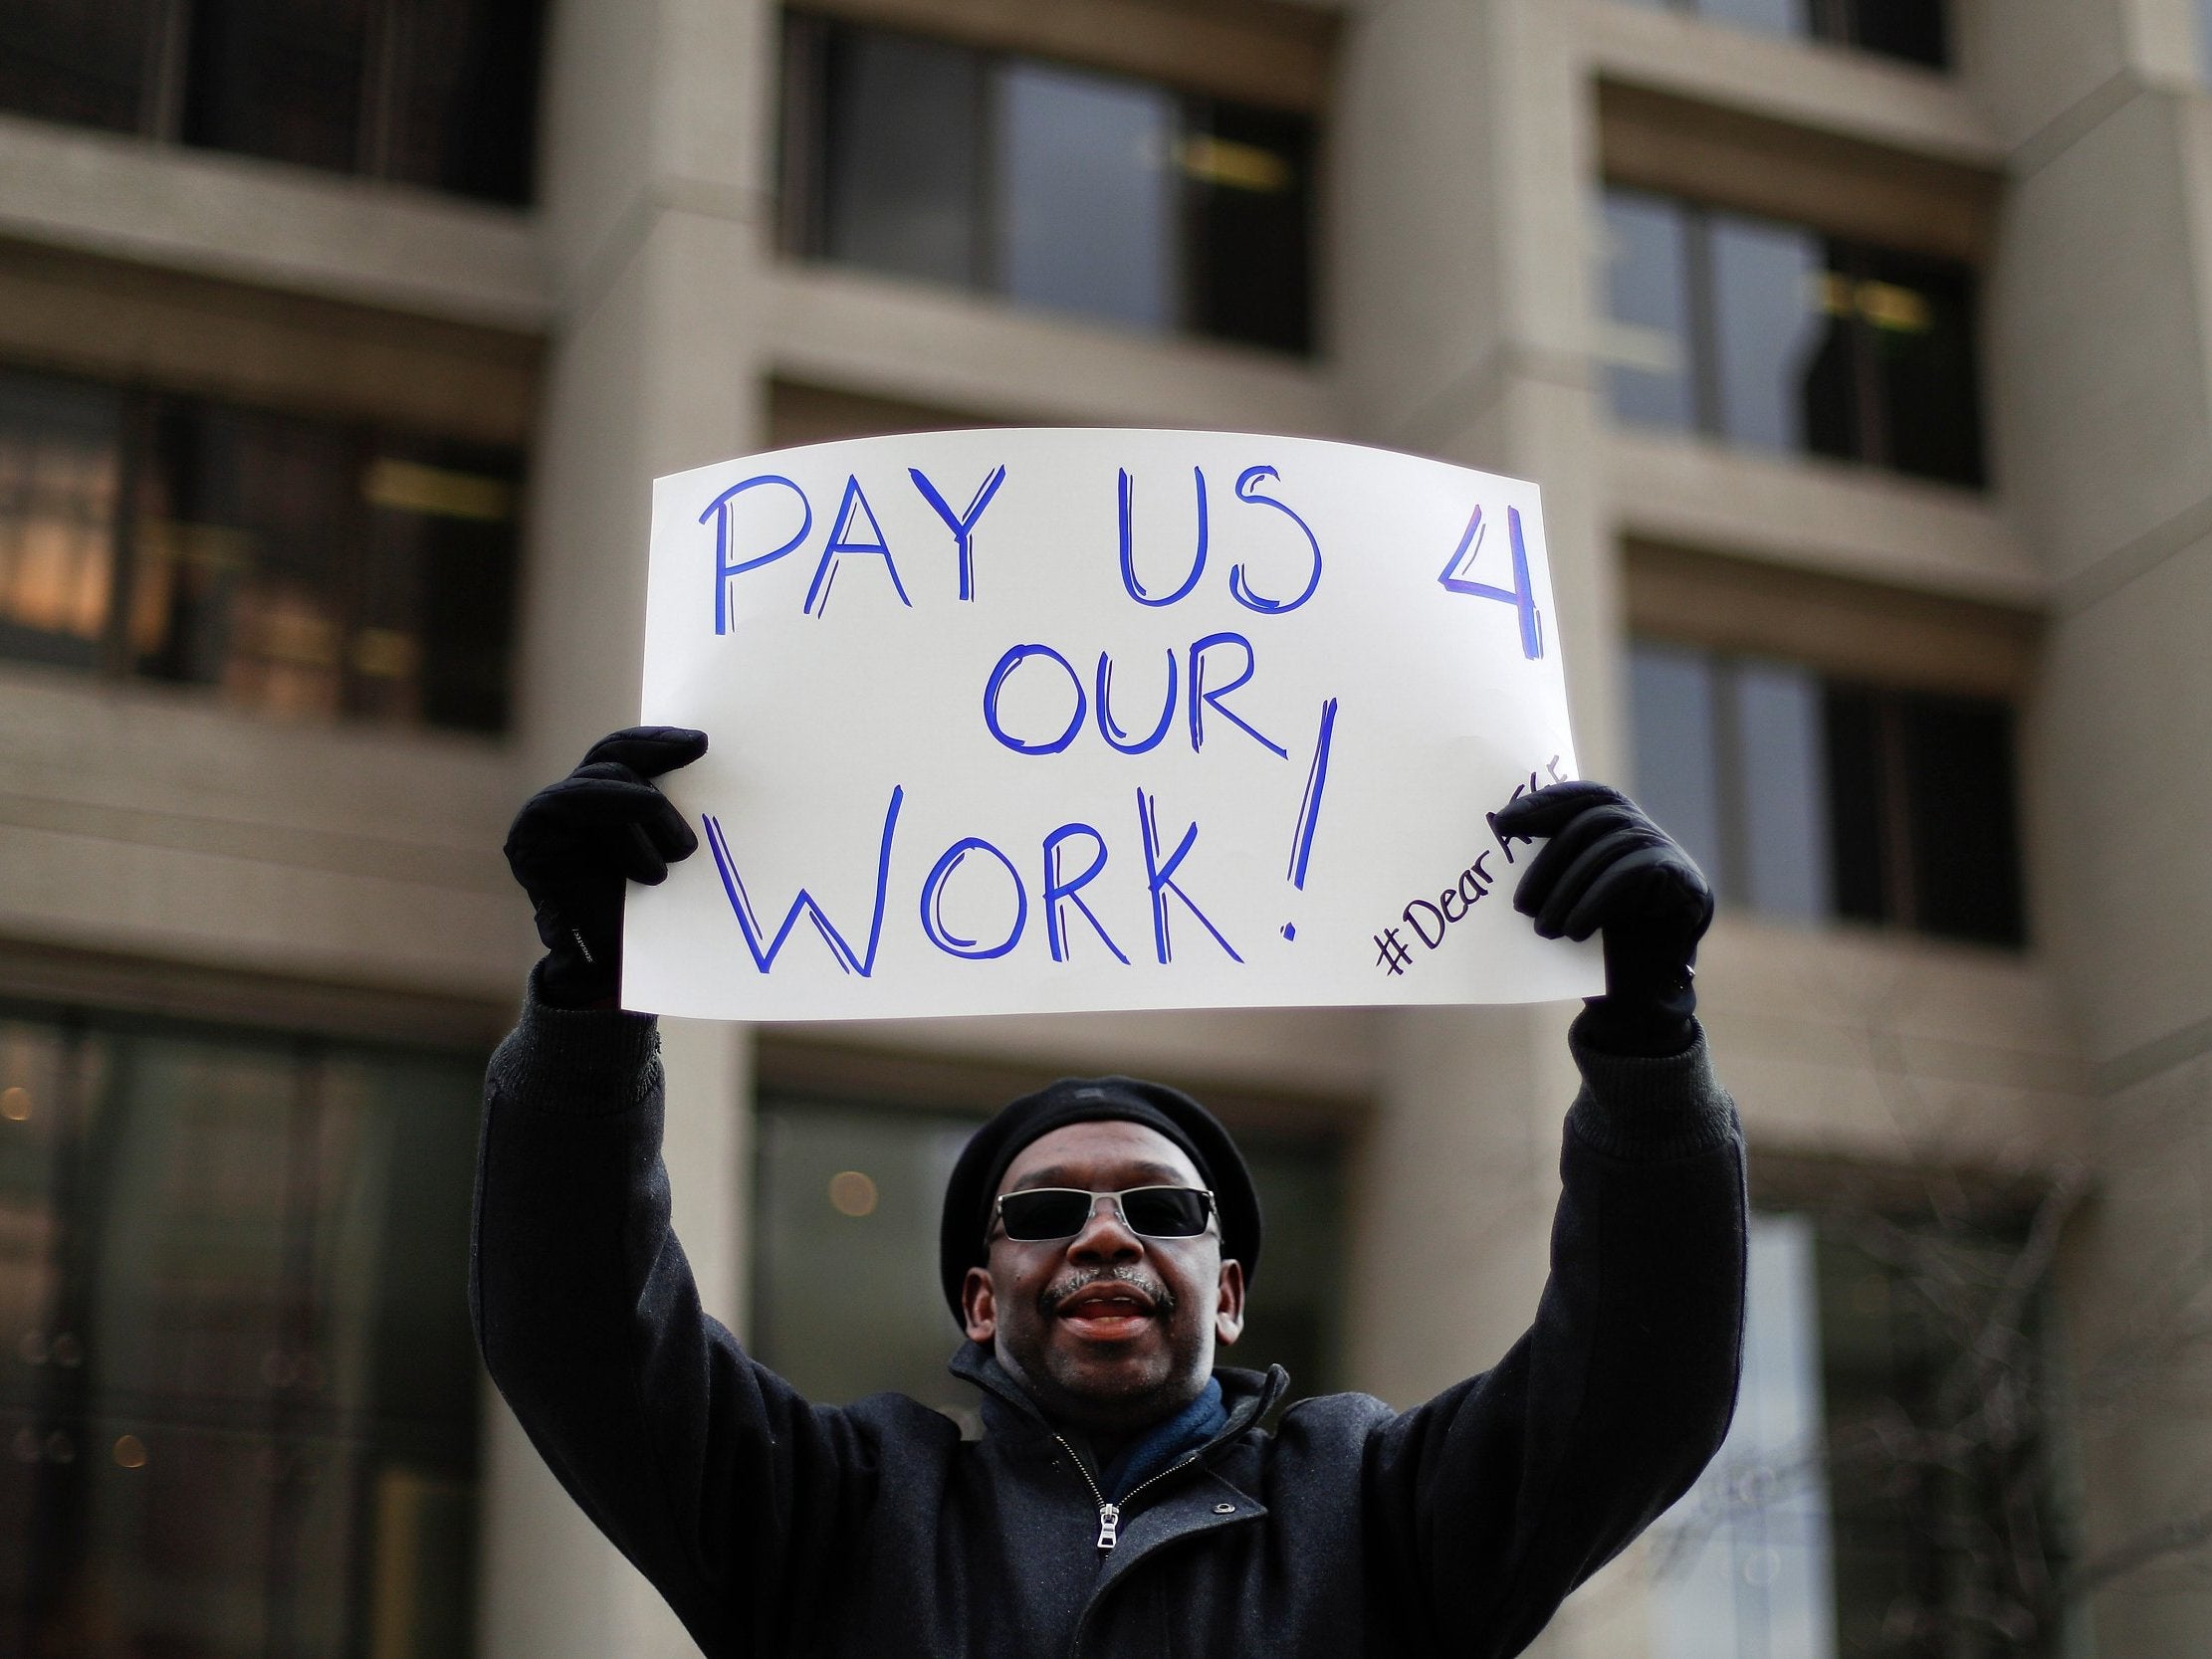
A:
(1508, 1490)
(707, 1471)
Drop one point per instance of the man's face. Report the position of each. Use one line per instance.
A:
(1109, 1331)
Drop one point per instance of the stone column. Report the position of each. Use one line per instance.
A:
(2103, 352)
(656, 225)
(1462, 206)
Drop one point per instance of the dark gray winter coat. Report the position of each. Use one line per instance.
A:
(872, 1531)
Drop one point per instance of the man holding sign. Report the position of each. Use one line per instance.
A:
(1098, 1238)
(1072, 721)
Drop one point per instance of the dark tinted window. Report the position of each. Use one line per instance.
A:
(1062, 187)
(903, 149)
(434, 638)
(1249, 176)
(1860, 794)
(437, 95)
(1960, 817)
(1924, 813)
(463, 98)
(1808, 797)
(300, 566)
(1913, 29)
(1774, 336)
(69, 61)
(1917, 325)
(1910, 29)
(281, 79)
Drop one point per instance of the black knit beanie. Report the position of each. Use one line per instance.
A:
(1082, 1099)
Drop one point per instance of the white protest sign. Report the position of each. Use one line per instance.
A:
(1047, 720)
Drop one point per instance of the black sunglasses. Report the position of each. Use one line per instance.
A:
(1054, 1212)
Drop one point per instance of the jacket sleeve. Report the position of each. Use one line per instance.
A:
(709, 1472)
(1494, 1501)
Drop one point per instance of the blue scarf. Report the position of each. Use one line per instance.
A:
(1163, 1443)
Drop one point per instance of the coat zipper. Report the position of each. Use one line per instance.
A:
(1109, 1515)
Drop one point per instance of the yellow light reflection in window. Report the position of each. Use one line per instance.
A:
(1884, 306)
(385, 653)
(1233, 166)
(439, 492)
(57, 518)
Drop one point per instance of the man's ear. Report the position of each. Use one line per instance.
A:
(979, 1307)
(1228, 1311)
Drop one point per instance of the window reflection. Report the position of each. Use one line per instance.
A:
(302, 568)
(243, 529)
(1651, 362)
(1778, 730)
(1783, 359)
(1772, 17)
(238, 1400)
(1084, 192)
(60, 480)
(1741, 1565)
(1677, 766)
(1877, 1494)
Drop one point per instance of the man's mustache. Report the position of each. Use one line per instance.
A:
(1161, 1298)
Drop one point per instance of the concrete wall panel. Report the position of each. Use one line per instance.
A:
(2122, 798)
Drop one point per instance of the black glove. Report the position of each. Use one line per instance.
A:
(576, 842)
(1608, 868)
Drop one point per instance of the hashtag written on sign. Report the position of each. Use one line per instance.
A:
(1395, 956)
(1431, 919)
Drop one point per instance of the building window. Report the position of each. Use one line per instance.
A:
(297, 566)
(1889, 1487)
(1774, 336)
(1811, 797)
(1056, 186)
(846, 1301)
(238, 1391)
(440, 96)
(1913, 29)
